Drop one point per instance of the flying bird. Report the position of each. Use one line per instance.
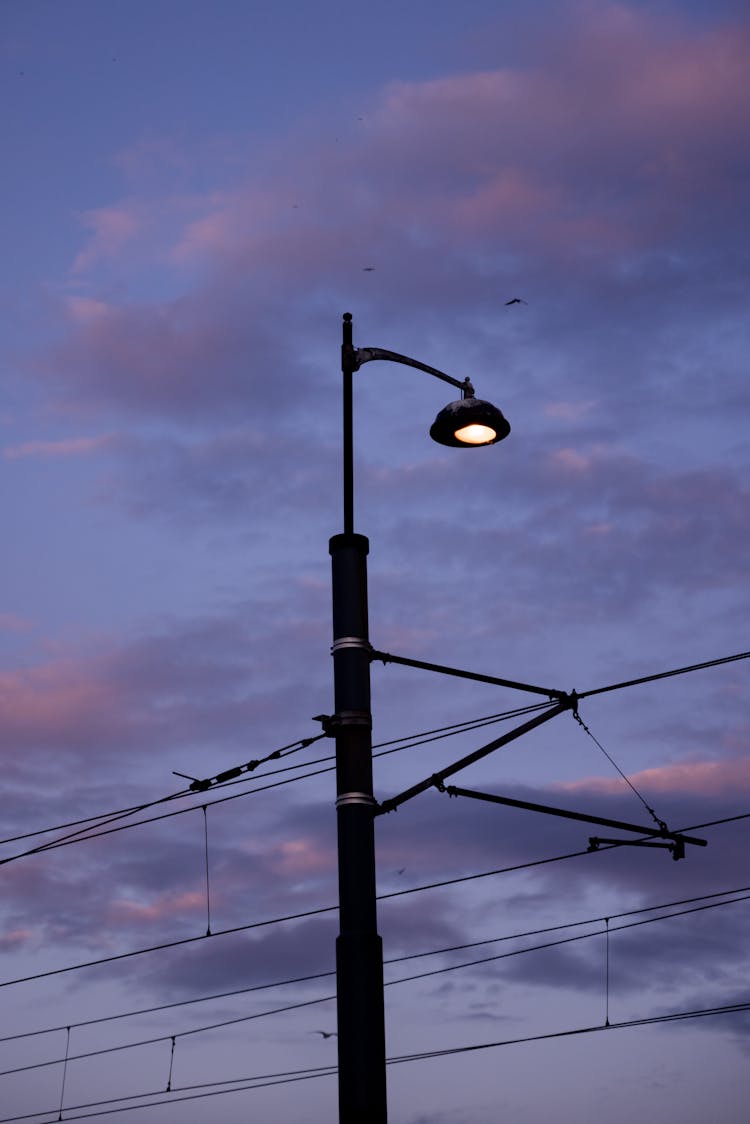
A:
(368, 268)
(516, 300)
(325, 1033)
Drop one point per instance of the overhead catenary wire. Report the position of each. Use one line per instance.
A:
(660, 823)
(389, 983)
(744, 891)
(102, 820)
(663, 675)
(579, 695)
(288, 917)
(404, 979)
(329, 909)
(110, 817)
(262, 1081)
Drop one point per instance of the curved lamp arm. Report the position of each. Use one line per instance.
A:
(367, 354)
(353, 358)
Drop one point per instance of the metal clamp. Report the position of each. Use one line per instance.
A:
(354, 798)
(350, 642)
(353, 718)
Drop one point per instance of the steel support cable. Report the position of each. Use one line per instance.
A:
(660, 823)
(278, 920)
(166, 1037)
(663, 675)
(390, 658)
(413, 740)
(292, 917)
(93, 820)
(389, 983)
(740, 890)
(173, 1097)
(649, 1020)
(53, 845)
(325, 909)
(109, 817)
(263, 1081)
(458, 728)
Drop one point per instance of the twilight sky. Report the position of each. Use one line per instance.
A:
(193, 194)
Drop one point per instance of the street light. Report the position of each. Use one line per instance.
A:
(468, 422)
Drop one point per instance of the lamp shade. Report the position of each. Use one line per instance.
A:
(469, 422)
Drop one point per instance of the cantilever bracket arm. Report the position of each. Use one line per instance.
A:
(367, 354)
(549, 692)
(676, 838)
(677, 849)
(437, 779)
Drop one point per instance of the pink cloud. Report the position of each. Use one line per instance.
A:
(610, 143)
(62, 703)
(701, 778)
(576, 150)
(68, 447)
(11, 622)
(111, 229)
(571, 460)
(14, 939)
(299, 858)
(84, 309)
(125, 910)
(569, 411)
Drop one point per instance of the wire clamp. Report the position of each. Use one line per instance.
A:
(347, 798)
(196, 785)
(350, 642)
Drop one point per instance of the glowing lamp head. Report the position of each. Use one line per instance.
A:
(468, 423)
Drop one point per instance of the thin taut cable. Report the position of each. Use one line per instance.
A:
(659, 823)
(171, 1063)
(606, 975)
(64, 1072)
(208, 887)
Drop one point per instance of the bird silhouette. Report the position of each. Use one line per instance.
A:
(402, 871)
(516, 300)
(368, 268)
(325, 1033)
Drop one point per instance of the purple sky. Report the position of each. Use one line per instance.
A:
(193, 195)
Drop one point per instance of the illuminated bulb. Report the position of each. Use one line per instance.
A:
(475, 435)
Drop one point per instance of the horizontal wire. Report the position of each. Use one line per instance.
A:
(167, 1037)
(279, 920)
(169, 944)
(663, 675)
(170, 1098)
(730, 1008)
(391, 960)
(109, 817)
(580, 695)
(330, 908)
(390, 983)
(262, 1081)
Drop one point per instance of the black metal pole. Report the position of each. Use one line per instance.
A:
(359, 950)
(347, 370)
